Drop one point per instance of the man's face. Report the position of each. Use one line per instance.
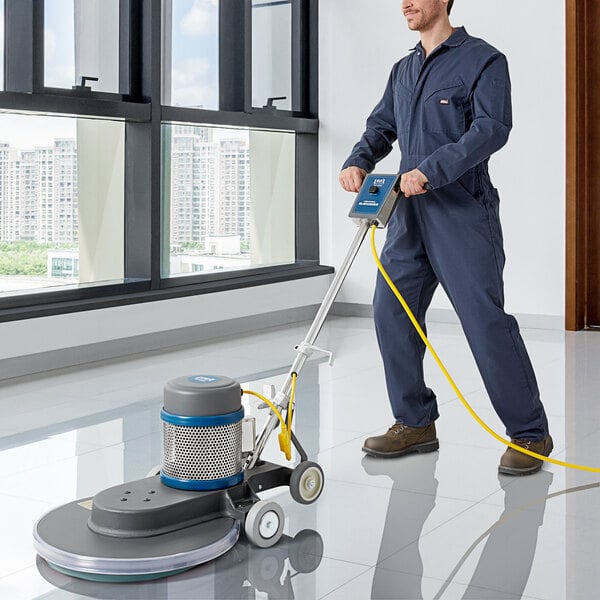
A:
(422, 14)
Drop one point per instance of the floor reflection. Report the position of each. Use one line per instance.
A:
(403, 521)
(245, 572)
(507, 557)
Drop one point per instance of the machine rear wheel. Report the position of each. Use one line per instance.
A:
(264, 523)
(306, 482)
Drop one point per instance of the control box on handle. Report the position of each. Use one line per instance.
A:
(376, 199)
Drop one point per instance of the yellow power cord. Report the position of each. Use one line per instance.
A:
(285, 435)
(451, 381)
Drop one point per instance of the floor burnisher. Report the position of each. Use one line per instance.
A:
(193, 507)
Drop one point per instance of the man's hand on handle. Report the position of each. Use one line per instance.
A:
(412, 183)
(351, 178)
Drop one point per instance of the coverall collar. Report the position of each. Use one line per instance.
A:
(456, 39)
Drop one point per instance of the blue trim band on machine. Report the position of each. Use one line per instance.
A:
(202, 484)
(211, 421)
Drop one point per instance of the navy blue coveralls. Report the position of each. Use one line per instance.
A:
(449, 113)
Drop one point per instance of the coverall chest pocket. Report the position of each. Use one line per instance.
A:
(444, 108)
(402, 107)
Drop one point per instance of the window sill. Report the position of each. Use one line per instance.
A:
(125, 293)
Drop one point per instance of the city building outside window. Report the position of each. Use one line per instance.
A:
(230, 200)
(58, 189)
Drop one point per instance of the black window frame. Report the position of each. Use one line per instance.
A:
(139, 106)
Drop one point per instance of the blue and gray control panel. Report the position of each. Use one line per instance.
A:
(376, 199)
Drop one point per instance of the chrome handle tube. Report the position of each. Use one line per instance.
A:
(282, 397)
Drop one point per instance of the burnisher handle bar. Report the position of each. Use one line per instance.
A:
(305, 348)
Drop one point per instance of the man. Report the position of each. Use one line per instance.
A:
(448, 104)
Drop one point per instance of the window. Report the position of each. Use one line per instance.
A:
(170, 175)
(191, 69)
(272, 54)
(230, 201)
(81, 39)
(61, 180)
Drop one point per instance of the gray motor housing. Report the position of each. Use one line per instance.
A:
(202, 396)
(202, 433)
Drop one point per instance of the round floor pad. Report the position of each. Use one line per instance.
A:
(64, 540)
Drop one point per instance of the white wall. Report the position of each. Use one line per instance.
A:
(45, 334)
(360, 41)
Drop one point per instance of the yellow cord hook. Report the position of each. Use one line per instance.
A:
(285, 435)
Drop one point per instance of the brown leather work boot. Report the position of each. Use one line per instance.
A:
(514, 462)
(401, 439)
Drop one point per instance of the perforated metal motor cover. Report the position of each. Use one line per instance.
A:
(202, 395)
(202, 429)
(202, 453)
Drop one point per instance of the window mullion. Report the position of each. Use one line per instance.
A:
(125, 34)
(299, 59)
(23, 45)
(312, 56)
(235, 55)
(143, 156)
(307, 197)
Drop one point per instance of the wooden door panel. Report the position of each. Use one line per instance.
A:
(593, 165)
(583, 165)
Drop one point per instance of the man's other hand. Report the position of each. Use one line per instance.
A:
(413, 183)
(351, 178)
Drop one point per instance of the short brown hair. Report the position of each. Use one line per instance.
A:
(450, 3)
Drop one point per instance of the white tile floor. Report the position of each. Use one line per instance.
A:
(441, 525)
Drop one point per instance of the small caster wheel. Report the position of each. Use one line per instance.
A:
(154, 471)
(264, 523)
(306, 482)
